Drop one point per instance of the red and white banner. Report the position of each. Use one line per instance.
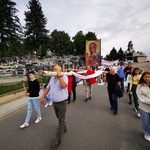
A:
(96, 74)
(109, 63)
(78, 74)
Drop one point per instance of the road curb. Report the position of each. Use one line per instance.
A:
(11, 96)
(2, 116)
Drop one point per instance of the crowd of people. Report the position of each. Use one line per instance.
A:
(138, 89)
(58, 90)
(119, 76)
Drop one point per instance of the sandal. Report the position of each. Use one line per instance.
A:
(56, 143)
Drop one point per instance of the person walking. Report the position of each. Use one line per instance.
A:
(128, 70)
(128, 86)
(121, 74)
(59, 95)
(70, 78)
(112, 79)
(74, 85)
(33, 99)
(135, 78)
(143, 93)
(88, 84)
(47, 98)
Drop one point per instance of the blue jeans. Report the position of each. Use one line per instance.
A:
(33, 102)
(122, 83)
(113, 99)
(48, 98)
(145, 118)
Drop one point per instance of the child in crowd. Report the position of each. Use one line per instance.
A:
(48, 101)
(33, 99)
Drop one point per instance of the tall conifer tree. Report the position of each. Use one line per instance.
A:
(35, 27)
(10, 29)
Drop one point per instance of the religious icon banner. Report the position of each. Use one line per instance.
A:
(92, 54)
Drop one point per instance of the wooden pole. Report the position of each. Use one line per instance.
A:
(23, 84)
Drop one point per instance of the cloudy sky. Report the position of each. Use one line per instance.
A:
(115, 22)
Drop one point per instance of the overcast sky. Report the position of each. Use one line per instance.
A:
(115, 22)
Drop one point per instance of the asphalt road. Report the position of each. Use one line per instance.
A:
(90, 126)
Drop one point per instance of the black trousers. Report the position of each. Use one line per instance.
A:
(60, 111)
(74, 92)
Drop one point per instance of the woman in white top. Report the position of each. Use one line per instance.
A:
(143, 93)
(128, 85)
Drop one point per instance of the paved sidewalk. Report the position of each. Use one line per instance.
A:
(12, 106)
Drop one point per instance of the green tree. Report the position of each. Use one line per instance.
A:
(113, 55)
(90, 36)
(120, 54)
(35, 27)
(10, 29)
(79, 43)
(39, 51)
(60, 43)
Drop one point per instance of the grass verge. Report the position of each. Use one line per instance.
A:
(13, 87)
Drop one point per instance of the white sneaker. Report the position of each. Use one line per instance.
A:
(46, 105)
(139, 115)
(38, 120)
(24, 125)
(50, 103)
(147, 137)
(135, 110)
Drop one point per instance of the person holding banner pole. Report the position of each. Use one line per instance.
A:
(59, 95)
(88, 84)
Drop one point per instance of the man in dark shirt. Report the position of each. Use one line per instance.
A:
(112, 79)
(128, 70)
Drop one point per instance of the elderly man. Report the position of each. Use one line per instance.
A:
(59, 94)
(113, 79)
